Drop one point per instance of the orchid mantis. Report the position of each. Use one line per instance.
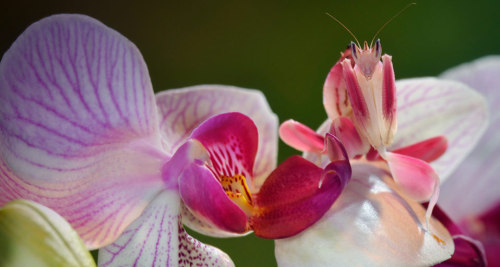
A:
(362, 99)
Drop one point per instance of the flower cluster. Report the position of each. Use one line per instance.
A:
(91, 158)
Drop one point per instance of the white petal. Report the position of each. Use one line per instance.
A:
(429, 107)
(370, 224)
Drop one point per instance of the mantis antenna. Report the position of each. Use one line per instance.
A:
(341, 24)
(387, 22)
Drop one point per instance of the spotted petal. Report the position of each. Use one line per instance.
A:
(429, 107)
(473, 188)
(371, 224)
(78, 125)
(182, 110)
(157, 238)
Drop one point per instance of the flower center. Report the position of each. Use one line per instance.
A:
(237, 190)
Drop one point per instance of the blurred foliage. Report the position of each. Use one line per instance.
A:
(284, 48)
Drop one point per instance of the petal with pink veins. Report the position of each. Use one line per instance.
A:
(158, 239)
(301, 137)
(296, 195)
(474, 187)
(151, 240)
(370, 224)
(429, 107)
(471, 194)
(182, 110)
(79, 126)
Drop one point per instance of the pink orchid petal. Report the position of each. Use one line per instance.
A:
(370, 224)
(79, 126)
(192, 151)
(415, 177)
(343, 128)
(200, 190)
(182, 110)
(157, 238)
(301, 137)
(296, 195)
(429, 107)
(474, 187)
(335, 98)
(427, 150)
(204, 196)
(231, 139)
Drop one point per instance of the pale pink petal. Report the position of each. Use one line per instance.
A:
(296, 195)
(301, 137)
(182, 110)
(370, 224)
(415, 177)
(79, 127)
(343, 128)
(429, 107)
(475, 185)
(151, 240)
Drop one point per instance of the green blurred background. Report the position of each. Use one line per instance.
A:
(284, 48)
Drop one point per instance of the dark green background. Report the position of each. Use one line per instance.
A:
(284, 48)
